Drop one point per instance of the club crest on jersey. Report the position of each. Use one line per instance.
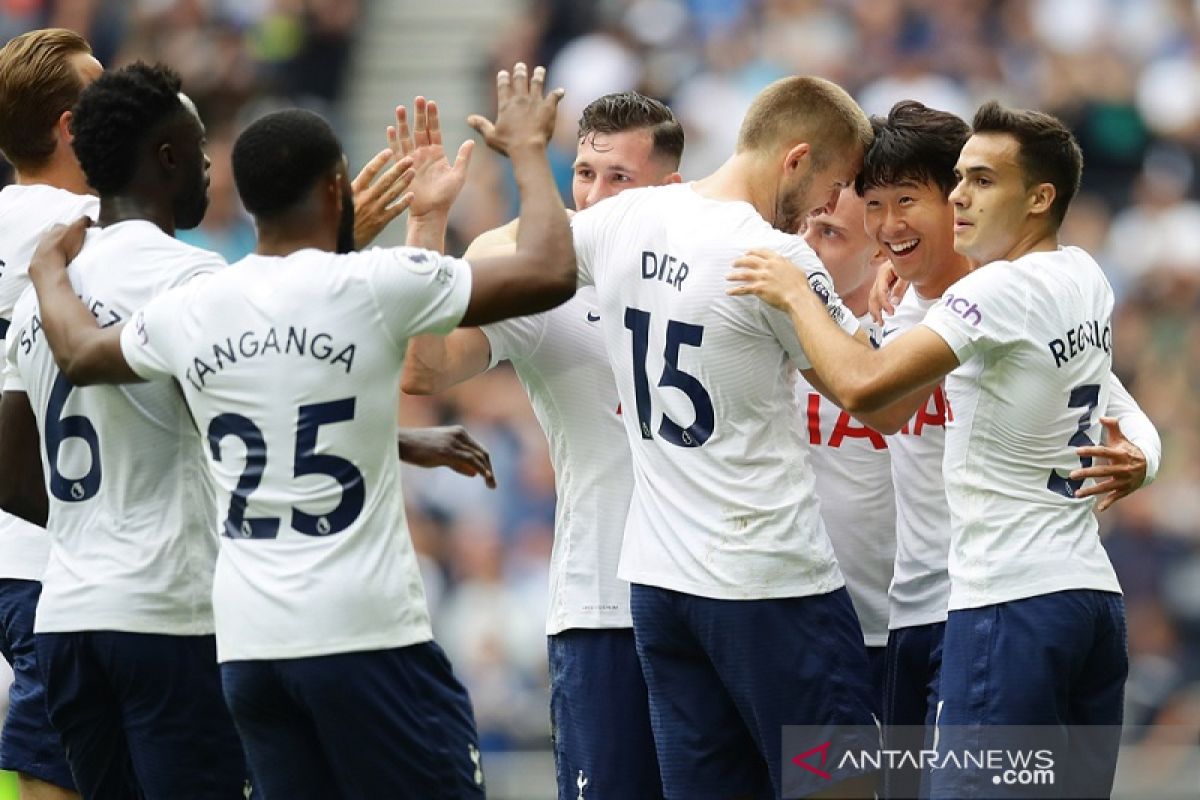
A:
(822, 287)
(139, 327)
(415, 260)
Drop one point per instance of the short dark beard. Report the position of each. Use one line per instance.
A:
(345, 238)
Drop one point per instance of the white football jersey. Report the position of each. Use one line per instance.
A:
(921, 584)
(291, 368)
(27, 212)
(854, 484)
(559, 357)
(724, 504)
(131, 542)
(1033, 338)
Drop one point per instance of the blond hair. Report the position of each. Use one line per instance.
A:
(804, 108)
(38, 83)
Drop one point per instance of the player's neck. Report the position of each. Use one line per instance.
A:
(283, 241)
(738, 180)
(58, 174)
(933, 287)
(124, 208)
(856, 300)
(1035, 240)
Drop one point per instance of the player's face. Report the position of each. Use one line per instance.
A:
(345, 237)
(840, 240)
(991, 201)
(914, 224)
(191, 175)
(608, 163)
(813, 191)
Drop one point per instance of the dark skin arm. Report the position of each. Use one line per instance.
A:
(448, 446)
(22, 490)
(541, 273)
(84, 352)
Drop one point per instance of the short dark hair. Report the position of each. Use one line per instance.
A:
(1049, 152)
(913, 143)
(37, 84)
(626, 111)
(280, 157)
(113, 117)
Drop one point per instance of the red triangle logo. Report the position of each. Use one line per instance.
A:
(823, 750)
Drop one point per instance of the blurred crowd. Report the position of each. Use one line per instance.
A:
(1124, 73)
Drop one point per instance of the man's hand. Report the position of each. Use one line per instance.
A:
(448, 446)
(437, 182)
(888, 289)
(379, 199)
(524, 117)
(770, 277)
(1124, 467)
(58, 247)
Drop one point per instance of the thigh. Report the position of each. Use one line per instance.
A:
(181, 737)
(704, 748)
(29, 744)
(393, 723)
(914, 661)
(280, 739)
(793, 662)
(603, 741)
(84, 710)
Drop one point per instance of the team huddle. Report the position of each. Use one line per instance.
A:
(774, 508)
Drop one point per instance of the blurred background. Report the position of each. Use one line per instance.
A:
(1124, 73)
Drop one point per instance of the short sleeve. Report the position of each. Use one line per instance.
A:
(586, 228)
(418, 291)
(515, 339)
(12, 380)
(982, 311)
(148, 340)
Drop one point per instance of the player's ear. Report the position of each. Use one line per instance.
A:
(674, 177)
(1041, 197)
(795, 157)
(62, 127)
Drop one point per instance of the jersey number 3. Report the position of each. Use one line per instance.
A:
(678, 333)
(1086, 397)
(306, 462)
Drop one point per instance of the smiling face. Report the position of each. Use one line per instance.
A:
(992, 202)
(608, 163)
(913, 223)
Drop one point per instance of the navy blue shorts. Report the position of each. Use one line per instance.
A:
(376, 724)
(28, 742)
(914, 663)
(603, 742)
(725, 676)
(1056, 661)
(141, 715)
(877, 665)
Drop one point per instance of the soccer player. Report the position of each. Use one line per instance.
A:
(124, 627)
(1035, 633)
(290, 363)
(42, 73)
(598, 705)
(850, 459)
(740, 614)
(907, 176)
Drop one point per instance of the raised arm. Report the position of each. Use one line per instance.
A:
(540, 274)
(849, 371)
(84, 352)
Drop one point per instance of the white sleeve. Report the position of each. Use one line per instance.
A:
(202, 265)
(148, 339)
(417, 291)
(984, 310)
(586, 235)
(516, 338)
(1136, 426)
(12, 380)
